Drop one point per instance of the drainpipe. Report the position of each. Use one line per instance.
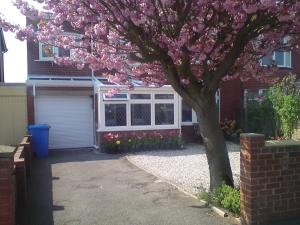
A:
(94, 113)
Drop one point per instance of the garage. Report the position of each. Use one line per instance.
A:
(70, 118)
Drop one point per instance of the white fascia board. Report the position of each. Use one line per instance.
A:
(60, 83)
(125, 88)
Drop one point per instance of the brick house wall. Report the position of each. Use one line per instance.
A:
(44, 68)
(231, 99)
(255, 84)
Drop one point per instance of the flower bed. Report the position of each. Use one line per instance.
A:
(115, 143)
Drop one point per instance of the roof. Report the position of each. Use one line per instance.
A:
(3, 47)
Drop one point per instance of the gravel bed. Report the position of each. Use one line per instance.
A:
(185, 168)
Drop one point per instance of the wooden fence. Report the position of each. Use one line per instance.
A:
(13, 113)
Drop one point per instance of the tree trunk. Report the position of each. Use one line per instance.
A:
(213, 138)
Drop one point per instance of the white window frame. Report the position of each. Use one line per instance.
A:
(152, 101)
(41, 58)
(55, 48)
(115, 103)
(107, 98)
(194, 116)
(286, 54)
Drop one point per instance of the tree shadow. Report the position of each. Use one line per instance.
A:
(40, 207)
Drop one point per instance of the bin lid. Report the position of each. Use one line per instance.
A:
(38, 126)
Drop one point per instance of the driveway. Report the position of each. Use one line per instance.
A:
(85, 188)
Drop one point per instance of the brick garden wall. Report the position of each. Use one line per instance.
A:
(7, 190)
(270, 180)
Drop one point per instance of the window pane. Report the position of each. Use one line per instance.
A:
(164, 96)
(279, 58)
(115, 115)
(186, 112)
(266, 61)
(288, 59)
(115, 97)
(63, 52)
(164, 114)
(140, 114)
(140, 96)
(47, 51)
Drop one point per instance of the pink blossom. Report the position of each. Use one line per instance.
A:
(145, 40)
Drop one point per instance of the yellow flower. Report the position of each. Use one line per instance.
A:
(118, 142)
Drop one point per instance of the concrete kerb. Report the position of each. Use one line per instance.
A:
(215, 209)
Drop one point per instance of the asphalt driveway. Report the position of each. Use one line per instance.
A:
(85, 188)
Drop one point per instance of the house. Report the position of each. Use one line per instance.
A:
(74, 102)
(3, 49)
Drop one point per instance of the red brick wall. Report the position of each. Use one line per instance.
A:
(231, 99)
(7, 191)
(256, 84)
(270, 181)
(36, 67)
(189, 134)
(136, 133)
(30, 105)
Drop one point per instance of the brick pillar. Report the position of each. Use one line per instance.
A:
(270, 181)
(7, 189)
(251, 177)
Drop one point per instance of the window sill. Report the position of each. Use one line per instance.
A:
(187, 123)
(44, 60)
(285, 67)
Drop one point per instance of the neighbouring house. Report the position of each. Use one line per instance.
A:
(74, 102)
(3, 49)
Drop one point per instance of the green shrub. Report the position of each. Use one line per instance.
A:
(261, 118)
(224, 196)
(285, 97)
(228, 197)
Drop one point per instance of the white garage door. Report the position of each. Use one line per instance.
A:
(70, 118)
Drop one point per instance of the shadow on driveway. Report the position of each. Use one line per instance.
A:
(84, 188)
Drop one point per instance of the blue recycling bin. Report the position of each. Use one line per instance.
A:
(40, 139)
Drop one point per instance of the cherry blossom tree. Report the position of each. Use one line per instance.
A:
(194, 45)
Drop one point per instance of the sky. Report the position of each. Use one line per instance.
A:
(15, 60)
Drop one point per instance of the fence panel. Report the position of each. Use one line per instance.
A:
(13, 113)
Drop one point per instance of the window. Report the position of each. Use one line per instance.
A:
(140, 114)
(47, 51)
(255, 95)
(164, 114)
(186, 113)
(140, 110)
(115, 115)
(280, 58)
(116, 97)
(164, 96)
(140, 96)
